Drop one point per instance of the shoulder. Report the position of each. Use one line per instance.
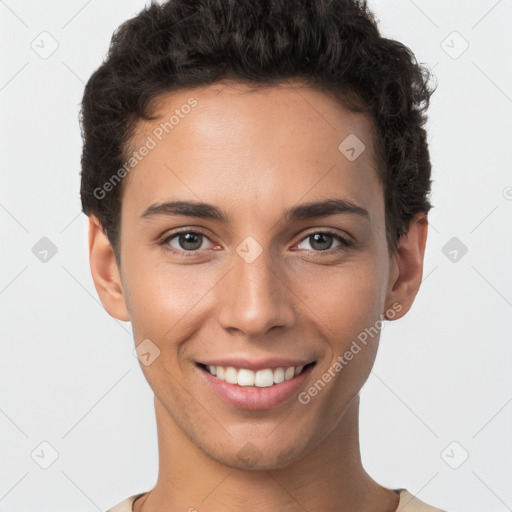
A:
(125, 505)
(409, 503)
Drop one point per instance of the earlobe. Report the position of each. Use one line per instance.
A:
(105, 273)
(407, 267)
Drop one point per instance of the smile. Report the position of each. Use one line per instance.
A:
(258, 389)
(263, 378)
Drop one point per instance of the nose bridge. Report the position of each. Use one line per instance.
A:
(254, 298)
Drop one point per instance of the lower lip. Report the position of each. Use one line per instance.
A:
(252, 397)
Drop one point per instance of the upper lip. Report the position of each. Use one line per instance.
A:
(255, 365)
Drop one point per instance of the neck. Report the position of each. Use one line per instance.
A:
(330, 477)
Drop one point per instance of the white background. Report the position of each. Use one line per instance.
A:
(67, 372)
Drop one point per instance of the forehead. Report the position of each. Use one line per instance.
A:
(233, 144)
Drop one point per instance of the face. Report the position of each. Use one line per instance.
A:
(286, 267)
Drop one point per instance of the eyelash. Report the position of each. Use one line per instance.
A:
(344, 243)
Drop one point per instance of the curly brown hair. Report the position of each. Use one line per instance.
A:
(333, 45)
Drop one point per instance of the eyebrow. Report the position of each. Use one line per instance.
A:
(316, 209)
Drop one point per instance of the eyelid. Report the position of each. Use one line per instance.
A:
(346, 242)
(328, 231)
(165, 239)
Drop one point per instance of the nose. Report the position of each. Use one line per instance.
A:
(255, 297)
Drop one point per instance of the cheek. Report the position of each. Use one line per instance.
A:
(163, 299)
(345, 299)
(347, 306)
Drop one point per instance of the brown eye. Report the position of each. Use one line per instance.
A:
(323, 241)
(190, 241)
(185, 242)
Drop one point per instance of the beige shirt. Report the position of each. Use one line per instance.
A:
(408, 503)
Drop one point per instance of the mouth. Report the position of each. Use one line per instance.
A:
(255, 389)
(263, 378)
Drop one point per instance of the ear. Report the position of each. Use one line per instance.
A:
(105, 273)
(407, 268)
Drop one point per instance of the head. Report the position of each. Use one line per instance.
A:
(301, 131)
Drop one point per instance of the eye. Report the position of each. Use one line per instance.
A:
(323, 240)
(186, 241)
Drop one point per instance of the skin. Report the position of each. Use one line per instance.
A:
(253, 154)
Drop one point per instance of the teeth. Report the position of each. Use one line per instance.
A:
(289, 373)
(245, 377)
(261, 379)
(278, 375)
(231, 375)
(264, 378)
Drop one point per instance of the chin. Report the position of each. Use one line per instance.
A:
(255, 456)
